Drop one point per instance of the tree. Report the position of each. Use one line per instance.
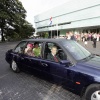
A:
(28, 30)
(25, 30)
(12, 17)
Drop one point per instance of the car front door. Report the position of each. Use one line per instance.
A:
(58, 71)
(52, 68)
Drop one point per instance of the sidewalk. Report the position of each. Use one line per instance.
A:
(90, 47)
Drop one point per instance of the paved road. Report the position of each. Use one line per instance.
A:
(24, 86)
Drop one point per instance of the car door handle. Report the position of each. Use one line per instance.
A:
(44, 64)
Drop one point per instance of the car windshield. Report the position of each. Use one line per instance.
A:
(76, 50)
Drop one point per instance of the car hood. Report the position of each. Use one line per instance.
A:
(89, 68)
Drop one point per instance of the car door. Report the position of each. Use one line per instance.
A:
(33, 62)
(60, 72)
(53, 68)
(49, 66)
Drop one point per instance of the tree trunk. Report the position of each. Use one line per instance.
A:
(2, 30)
(2, 35)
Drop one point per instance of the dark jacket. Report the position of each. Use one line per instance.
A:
(73, 38)
(51, 57)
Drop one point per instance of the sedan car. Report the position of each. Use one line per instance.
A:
(77, 69)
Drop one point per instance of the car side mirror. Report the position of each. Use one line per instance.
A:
(65, 62)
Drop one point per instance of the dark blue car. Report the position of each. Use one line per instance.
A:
(77, 70)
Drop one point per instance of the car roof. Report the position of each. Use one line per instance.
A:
(47, 40)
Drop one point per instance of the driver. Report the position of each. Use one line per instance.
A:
(52, 56)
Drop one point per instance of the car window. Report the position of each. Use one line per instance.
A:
(48, 53)
(36, 49)
(20, 47)
(76, 50)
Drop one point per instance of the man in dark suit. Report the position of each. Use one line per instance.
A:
(52, 56)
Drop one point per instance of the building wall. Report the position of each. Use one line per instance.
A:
(74, 14)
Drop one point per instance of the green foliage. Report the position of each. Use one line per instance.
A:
(12, 20)
(46, 35)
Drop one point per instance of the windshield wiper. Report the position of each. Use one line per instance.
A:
(89, 57)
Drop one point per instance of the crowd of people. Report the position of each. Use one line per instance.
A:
(85, 37)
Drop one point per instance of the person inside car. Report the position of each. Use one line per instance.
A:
(29, 50)
(52, 56)
(37, 50)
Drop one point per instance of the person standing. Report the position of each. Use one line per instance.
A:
(85, 41)
(94, 40)
(73, 37)
(98, 37)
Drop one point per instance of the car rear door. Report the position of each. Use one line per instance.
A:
(33, 62)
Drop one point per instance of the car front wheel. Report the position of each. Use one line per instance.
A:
(15, 67)
(93, 92)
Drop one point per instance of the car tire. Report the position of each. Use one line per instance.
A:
(14, 67)
(93, 92)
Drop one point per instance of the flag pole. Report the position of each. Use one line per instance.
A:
(57, 27)
(51, 25)
(51, 33)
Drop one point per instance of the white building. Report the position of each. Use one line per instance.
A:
(76, 15)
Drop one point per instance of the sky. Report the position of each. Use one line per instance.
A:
(35, 7)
